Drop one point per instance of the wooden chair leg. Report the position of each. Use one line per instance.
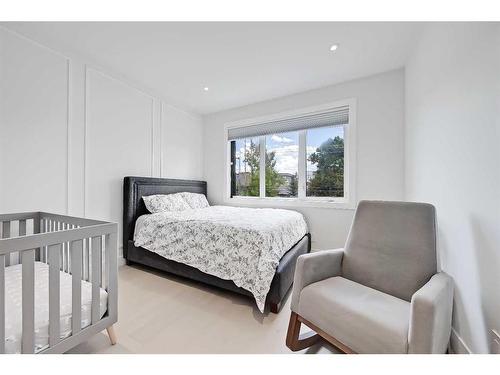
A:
(111, 334)
(293, 341)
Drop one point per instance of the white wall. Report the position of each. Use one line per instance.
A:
(33, 109)
(70, 131)
(380, 139)
(182, 151)
(453, 162)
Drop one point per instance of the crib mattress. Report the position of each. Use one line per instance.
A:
(13, 306)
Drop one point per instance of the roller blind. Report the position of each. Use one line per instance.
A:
(337, 117)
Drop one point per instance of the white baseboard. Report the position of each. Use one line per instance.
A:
(457, 344)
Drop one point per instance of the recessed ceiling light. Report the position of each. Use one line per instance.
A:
(205, 88)
(334, 47)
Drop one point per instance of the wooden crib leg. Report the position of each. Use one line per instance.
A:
(111, 334)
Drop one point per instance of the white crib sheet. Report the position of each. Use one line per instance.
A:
(13, 306)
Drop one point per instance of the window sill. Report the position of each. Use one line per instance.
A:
(289, 203)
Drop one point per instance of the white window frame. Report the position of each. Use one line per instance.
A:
(346, 202)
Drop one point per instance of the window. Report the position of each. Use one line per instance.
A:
(282, 165)
(246, 164)
(325, 162)
(305, 156)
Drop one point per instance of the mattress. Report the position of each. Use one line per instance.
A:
(240, 244)
(13, 306)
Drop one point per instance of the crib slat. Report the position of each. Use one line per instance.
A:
(6, 234)
(85, 258)
(54, 294)
(65, 252)
(37, 229)
(107, 246)
(61, 249)
(61, 252)
(22, 232)
(67, 255)
(76, 289)
(40, 251)
(2, 304)
(36, 225)
(5, 229)
(28, 300)
(102, 262)
(95, 272)
(22, 227)
(72, 227)
(46, 248)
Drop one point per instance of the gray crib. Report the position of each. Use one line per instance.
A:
(81, 253)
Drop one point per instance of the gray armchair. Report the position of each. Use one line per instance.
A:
(382, 292)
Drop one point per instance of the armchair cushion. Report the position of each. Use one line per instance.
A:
(364, 319)
(314, 267)
(392, 247)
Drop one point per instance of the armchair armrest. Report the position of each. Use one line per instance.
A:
(430, 316)
(314, 267)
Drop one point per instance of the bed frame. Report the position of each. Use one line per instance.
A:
(133, 206)
(84, 248)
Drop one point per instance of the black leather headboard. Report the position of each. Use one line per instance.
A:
(134, 188)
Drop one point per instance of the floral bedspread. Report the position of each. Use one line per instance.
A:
(240, 244)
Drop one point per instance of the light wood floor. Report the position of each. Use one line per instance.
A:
(160, 313)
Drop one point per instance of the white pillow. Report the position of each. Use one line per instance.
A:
(195, 200)
(165, 202)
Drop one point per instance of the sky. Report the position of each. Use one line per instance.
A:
(286, 146)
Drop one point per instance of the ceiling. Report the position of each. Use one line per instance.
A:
(240, 63)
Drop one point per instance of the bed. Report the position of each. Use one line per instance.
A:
(134, 209)
(58, 281)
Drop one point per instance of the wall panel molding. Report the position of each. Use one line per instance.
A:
(68, 131)
(87, 87)
(72, 107)
(34, 42)
(85, 127)
(161, 139)
(152, 137)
